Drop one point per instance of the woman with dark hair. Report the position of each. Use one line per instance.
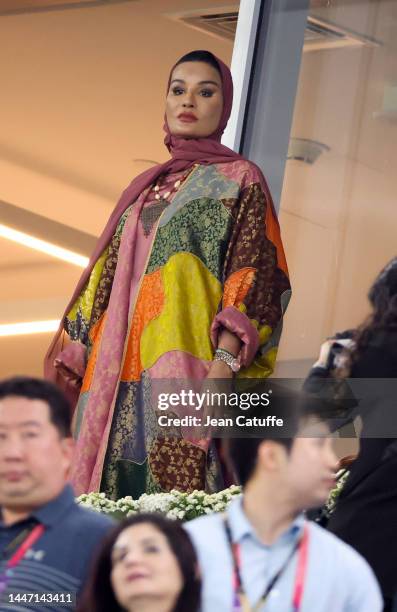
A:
(146, 564)
(189, 282)
(366, 512)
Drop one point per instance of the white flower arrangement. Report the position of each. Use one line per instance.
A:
(178, 505)
(175, 505)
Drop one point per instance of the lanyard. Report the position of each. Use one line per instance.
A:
(240, 600)
(19, 554)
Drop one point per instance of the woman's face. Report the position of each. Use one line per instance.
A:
(144, 568)
(194, 101)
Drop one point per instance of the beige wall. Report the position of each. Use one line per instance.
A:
(82, 96)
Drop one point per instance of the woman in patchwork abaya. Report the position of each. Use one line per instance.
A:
(188, 274)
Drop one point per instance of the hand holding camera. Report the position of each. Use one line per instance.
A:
(334, 351)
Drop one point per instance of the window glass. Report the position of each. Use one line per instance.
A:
(338, 207)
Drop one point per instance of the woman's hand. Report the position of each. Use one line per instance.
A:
(70, 376)
(324, 354)
(219, 369)
(345, 345)
(216, 383)
(70, 363)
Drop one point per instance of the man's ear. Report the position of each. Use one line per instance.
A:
(271, 455)
(68, 446)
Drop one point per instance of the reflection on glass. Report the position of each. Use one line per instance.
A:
(338, 210)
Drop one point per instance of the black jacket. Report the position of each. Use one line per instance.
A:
(366, 513)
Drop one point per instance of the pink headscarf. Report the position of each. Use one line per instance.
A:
(184, 153)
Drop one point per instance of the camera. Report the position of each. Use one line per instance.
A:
(343, 342)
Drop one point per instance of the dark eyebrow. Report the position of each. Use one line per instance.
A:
(200, 83)
(149, 540)
(210, 82)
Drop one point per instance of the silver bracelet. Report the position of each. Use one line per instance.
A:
(228, 358)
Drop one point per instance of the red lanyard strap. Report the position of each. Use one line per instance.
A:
(301, 570)
(21, 551)
(19, 554)
(301, 547)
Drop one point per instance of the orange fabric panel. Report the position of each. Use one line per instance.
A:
(149, 305)
(237, 286)
(95, 337)
(273, 233)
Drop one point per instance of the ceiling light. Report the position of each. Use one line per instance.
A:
(41, 245)
(32, 327)
(306, 150)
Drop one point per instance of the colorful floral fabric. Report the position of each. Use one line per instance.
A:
(214, 259)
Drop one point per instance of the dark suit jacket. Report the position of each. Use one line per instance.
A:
(366, 513)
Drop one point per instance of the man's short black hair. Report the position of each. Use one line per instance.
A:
(37, 389)
(294, 408)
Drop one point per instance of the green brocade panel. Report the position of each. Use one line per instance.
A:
(131, 479)
(202, 228)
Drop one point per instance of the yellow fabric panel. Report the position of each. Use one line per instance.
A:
(264, 334)
(192, 295)
(242, 308)
(262, 366)
(86, 299)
